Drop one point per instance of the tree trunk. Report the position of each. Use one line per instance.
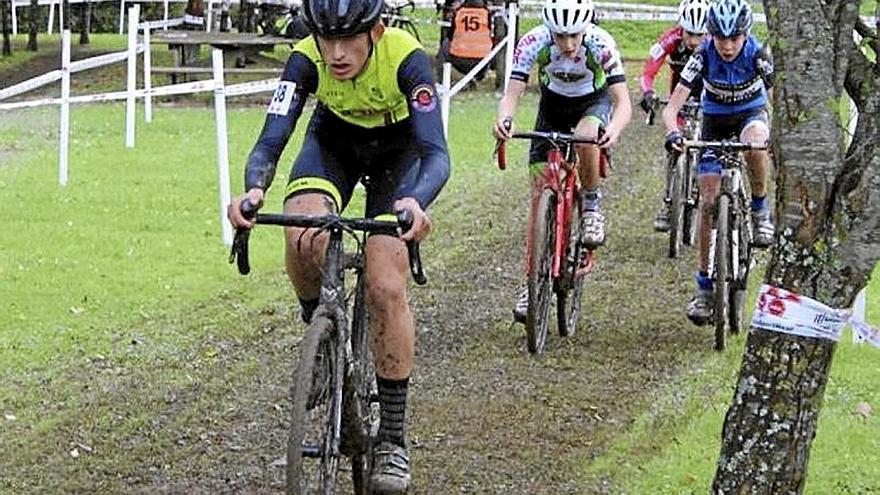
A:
(4, 27)
(65, 15)
(828, 241)
(33, 22)
(85, 22)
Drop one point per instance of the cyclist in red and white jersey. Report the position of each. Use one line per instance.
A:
(676, 46)
(583, 88)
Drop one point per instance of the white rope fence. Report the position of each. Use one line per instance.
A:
(132, 93)
(210, 4)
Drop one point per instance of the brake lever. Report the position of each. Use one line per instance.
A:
(239, 252)
(500, 147)
(405, 221)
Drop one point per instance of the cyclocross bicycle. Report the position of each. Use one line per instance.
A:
(731, 247)
(682, 192)
(335, 400)
(555, 257)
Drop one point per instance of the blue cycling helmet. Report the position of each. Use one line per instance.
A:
(729, 18)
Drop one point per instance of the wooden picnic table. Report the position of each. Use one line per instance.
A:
(238, 46)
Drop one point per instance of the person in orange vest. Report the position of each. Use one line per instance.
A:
(469, 37)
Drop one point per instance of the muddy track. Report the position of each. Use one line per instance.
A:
(485, 416)
(43, 63)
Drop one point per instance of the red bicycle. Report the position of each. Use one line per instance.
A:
(556, 260)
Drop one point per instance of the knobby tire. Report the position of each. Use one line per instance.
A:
(570, 287)
(722, 269)
(540, 279)
(313, 425)
(738, 289)
(361, 416)
(677, 198)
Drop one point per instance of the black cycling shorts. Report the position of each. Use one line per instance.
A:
(562, 114)
(720, 127)
(336, 155)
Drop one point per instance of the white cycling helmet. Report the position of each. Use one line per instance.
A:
(692, 15)
(568, 16)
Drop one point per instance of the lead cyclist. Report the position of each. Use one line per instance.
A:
(377, 121)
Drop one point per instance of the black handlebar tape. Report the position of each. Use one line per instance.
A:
(239, 252)
(405, 220)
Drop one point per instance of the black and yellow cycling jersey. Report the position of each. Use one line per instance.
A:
(383, 125)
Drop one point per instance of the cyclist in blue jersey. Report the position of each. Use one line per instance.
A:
(583, 88)
(376, 121)
(737, 76)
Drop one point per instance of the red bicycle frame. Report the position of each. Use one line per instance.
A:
(560, 176)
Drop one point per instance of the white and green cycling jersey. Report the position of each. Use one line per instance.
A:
(595, 66)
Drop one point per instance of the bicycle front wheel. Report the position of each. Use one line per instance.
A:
(722, 269)
(570, 286)
(313, 446)
(540, 277)
(740, 280)
(361, 413)
(677, 195)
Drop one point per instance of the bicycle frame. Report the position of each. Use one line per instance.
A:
(330, 319)
(561, 176)
(733, 187)
(732, 184)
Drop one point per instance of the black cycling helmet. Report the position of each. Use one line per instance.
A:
(341, 18)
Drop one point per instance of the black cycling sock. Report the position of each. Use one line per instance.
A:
(307, 309)
(392, 407)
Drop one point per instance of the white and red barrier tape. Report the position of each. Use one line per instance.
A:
(779, 310)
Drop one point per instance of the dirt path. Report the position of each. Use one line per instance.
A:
(43, 63)
(485, 416)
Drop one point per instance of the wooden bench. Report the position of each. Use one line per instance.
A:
(238, 46)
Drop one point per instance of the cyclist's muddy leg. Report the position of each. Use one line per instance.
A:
(710, 185)
(756, 131)
(304, 251)
(392, 335)
(588, 154)
(391, 322)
